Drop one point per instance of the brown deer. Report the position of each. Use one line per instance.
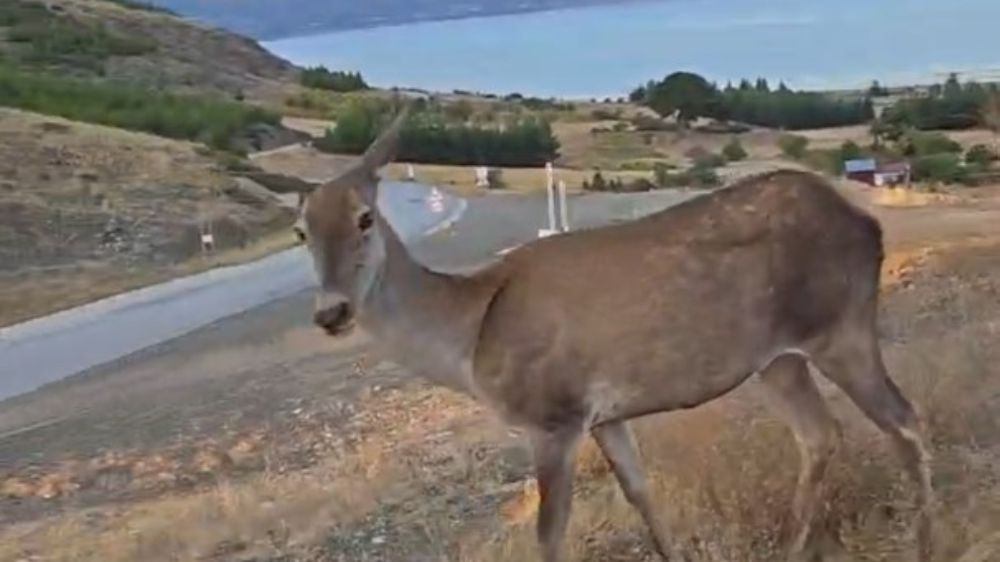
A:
(581, 332)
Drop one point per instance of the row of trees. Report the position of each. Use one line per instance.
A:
(432, 137)
(323, 78)
(690, 96)
(951, 105)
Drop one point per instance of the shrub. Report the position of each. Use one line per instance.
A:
(649, 123)
(322, 78)
(850, 150)
(214, 121)
(793, 146)
(601, 114)
(734, 151)
(50, 40)
(697, 176)
(942, 167)
(710, 160)
(918, 143)
(981, 154)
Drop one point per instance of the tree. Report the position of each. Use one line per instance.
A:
(687, 94)
(990, 115)
(793, 146)
(734, 151)
(762, 85)
(877, 90)
(850, 151)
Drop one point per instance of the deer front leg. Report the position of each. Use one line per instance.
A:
(555, 460)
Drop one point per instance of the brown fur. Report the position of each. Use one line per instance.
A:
(583, 331)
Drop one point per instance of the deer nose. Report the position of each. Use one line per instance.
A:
(335, 319)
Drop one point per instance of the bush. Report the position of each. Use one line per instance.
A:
(944, 168)
(322, 78)
(429, 137)
(50, 40)
(697, 176)
(981, 155)
(850, 150)
(793, 146)
(734, 151)
(214, 121)
(918, 143)
(710, 160)
(601, 114)
(644, 123)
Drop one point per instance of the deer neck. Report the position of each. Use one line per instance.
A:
(425, 320)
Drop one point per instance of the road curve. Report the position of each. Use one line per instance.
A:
(51, 348)
(444, 232)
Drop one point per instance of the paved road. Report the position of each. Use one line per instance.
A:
(49, 349)
(444, 232)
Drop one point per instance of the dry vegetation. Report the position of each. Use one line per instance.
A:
(186, 55)
(89, 211)
(414, 473)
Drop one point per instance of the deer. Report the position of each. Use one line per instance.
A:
(578, 333)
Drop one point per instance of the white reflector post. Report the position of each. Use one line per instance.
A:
(563, 212)
(550, 186)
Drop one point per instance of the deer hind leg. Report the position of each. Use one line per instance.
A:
(796, 400)
(618, 446)
(555, 461)
(852, 359)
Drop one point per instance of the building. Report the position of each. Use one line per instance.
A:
(862, 170)
(894, 173)
(871, 172)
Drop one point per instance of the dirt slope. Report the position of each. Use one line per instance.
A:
(87, 211)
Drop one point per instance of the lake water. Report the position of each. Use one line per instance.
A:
(605, 51)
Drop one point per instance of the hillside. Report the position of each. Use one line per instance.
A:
(103, 39)
(89, 211)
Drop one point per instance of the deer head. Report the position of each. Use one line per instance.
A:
(342, 228)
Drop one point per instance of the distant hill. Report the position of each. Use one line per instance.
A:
(261, 19)
(119, 40)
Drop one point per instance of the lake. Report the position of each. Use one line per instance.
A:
(606, 51)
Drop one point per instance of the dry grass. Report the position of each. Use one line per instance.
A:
(72, 181)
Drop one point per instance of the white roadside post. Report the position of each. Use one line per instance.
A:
(563, 210)
(550, 187)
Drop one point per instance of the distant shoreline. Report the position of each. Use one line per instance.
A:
(401, 20)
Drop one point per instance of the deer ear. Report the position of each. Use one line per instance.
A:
(386, 146)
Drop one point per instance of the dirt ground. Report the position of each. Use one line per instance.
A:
(259, 439)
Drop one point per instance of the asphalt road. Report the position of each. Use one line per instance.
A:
(443, 231)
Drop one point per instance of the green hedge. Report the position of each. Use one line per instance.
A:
(429, 137)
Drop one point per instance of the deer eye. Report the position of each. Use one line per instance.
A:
(365, 221)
